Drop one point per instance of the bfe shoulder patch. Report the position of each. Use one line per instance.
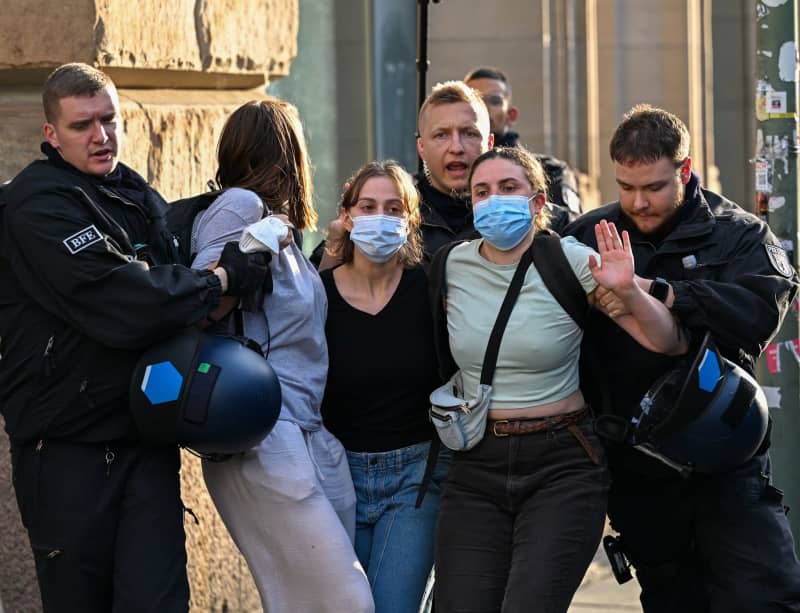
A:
(82, 239)
(779, 260)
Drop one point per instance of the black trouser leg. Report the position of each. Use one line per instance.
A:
(105, 526)
(710, 543)
(150, 553)
(655, 519)
(519, 521)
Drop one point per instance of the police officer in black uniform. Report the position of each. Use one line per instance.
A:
(87, 282)
(718, 542)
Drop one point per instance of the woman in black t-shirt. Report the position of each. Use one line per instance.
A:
(382, 370)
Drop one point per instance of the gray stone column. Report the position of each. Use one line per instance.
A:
(656, 52)
(548, 50)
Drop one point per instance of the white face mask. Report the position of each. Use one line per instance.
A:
(378, 237)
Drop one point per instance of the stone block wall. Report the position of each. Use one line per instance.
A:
(207, 43)
(181, 67)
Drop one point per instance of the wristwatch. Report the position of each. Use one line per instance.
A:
(659, 289)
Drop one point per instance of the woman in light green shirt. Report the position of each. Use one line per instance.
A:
(523, 511)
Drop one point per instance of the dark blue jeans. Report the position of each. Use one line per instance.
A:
(709, 543)
(519, 521)
(106, 526)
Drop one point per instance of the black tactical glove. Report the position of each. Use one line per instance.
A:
(247, 272)
(253, 301)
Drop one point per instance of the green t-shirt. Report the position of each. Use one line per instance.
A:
(538, 359)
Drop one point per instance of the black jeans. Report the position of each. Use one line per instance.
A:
(709, 543)
(519, 522)
(105, 523)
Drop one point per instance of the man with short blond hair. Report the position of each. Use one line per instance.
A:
(453, 130)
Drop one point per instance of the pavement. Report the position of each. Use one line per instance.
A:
(600, 593)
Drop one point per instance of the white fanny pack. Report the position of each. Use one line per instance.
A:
(460, 423)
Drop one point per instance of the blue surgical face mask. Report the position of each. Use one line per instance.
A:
(503, 220)
(378, 237)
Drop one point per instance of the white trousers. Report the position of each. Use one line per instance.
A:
(290, 506)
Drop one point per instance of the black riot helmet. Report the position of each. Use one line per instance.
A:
(707, 415)
(216, 395)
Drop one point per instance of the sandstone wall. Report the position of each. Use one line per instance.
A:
(181, 67)
(205, 43)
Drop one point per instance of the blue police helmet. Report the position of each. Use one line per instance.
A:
(709, 414)
(216, 395)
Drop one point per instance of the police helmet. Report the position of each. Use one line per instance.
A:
(216, 395)
(708, 415)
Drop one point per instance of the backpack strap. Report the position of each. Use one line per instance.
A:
(558, 276)
(437, 290)
(180, 217)
(510, 299)
(430, 466)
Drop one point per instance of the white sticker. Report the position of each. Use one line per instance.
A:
(776, 102)
(762, 177)
(82, 239)
(776, 202)
(773, 395)
(787, 61)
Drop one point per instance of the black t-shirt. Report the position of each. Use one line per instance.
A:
(382, 368)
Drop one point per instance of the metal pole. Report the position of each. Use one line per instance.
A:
(776, 175)
(422, 55)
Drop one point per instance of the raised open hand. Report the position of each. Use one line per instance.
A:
(615, 270)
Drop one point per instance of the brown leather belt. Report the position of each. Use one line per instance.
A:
(531, 425)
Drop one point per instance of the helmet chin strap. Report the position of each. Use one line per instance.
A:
(683, 470)
(211, 457)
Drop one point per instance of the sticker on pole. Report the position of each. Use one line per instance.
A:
(762, 177)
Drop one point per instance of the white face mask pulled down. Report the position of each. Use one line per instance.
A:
(378, 237)
(264, 235)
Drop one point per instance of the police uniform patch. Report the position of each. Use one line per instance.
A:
(779, 260)
(82, 239)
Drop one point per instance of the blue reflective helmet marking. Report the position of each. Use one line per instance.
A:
(162, 383)
(708, 372)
